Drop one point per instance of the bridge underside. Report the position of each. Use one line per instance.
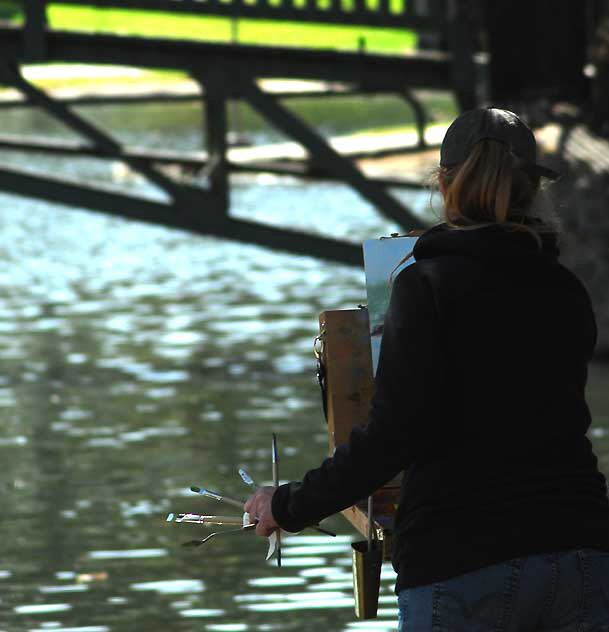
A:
(224, 72)
(421, 69)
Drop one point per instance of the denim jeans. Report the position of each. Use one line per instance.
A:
(556, 592)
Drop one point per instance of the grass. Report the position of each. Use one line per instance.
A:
(58, 81)
(220, 29)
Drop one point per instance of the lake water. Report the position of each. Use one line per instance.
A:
(137, 361)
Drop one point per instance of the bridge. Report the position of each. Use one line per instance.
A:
(227, 72)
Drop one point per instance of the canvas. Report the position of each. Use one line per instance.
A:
(381, 264)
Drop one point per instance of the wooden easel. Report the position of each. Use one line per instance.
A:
(345, 354)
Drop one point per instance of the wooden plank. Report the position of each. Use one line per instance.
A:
(348, 364)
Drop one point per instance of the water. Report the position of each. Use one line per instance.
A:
(138, 360)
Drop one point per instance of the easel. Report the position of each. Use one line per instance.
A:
(344, 352)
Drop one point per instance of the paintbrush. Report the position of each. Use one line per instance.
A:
(248, 480)
(275, 465)
(209, 494)
(199, 519)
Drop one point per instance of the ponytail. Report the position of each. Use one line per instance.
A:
(492, 186)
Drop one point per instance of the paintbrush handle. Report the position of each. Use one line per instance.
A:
(209, 494)
(233, 502)
(275, 464)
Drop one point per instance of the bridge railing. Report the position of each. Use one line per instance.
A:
(422, 15)
(398, 13)
(443, 22)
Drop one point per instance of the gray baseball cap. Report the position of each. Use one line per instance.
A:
(502, 125)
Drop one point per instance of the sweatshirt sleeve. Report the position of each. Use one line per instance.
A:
(404, 420)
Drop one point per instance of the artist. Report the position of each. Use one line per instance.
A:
(503, 520)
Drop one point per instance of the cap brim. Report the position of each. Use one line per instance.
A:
(545, 172)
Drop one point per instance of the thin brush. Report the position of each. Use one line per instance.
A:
(209, 494)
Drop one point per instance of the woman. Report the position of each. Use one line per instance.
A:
(503, 520)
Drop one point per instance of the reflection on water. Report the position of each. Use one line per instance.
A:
(138, 361)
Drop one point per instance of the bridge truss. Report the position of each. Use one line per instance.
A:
(224, 72)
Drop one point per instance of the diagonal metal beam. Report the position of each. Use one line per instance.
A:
(9, 72)
(328, 158)
(72, 193)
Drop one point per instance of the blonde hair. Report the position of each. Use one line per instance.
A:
(492, 186)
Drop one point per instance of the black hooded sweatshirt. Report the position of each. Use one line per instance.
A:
(479, 399)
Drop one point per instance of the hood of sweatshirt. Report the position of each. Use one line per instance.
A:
(492, 241)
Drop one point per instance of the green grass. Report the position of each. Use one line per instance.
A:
(218, 29)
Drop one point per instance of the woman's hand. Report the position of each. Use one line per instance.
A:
(259, 508)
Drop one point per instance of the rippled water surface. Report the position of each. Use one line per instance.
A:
(137, 361)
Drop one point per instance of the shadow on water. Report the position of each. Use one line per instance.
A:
(138, 361)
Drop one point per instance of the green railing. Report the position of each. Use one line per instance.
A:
(412, 14)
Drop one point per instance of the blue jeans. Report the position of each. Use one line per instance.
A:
(556, 592)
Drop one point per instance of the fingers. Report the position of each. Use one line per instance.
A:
(266, 525)
(249, 504)
(259, 501)
(259, 508)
